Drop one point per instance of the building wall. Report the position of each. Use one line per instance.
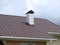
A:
(57, 42)
(18, 43)
(40, 43)
(12, 42)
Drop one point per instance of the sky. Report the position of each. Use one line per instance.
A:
(47, 9)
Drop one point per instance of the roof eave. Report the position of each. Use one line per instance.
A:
(54, 33)
(25, 38)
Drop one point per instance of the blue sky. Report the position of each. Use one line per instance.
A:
(47, 9)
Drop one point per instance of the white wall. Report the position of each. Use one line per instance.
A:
(57, 42)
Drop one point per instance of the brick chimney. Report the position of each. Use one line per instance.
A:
(30, 17)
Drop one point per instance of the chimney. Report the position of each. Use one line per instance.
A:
(30, 17)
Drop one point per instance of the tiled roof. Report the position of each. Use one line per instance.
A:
(16, 26)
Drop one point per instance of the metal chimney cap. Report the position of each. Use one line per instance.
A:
(30, 12)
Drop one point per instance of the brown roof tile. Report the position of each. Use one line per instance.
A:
(16, 26)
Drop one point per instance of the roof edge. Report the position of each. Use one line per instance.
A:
(53, 33)
(24, 38)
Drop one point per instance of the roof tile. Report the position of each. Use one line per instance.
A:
(16, 26)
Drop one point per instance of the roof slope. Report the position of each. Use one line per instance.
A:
(16, 26)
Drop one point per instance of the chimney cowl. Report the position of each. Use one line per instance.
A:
(30, 12)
